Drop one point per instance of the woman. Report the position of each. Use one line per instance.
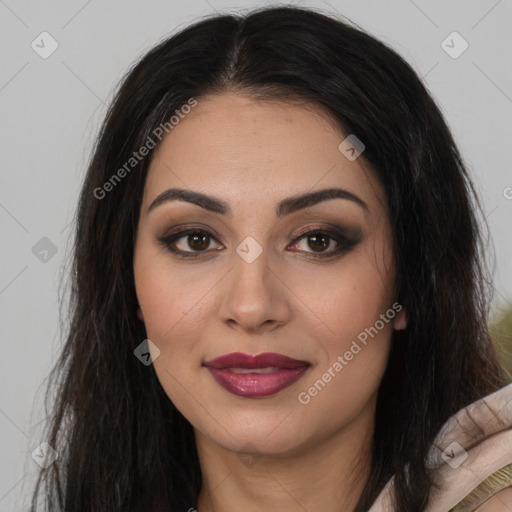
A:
(316, 355)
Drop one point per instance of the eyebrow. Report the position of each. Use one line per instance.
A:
(284, 207)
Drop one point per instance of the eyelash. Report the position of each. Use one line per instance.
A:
(343, 243)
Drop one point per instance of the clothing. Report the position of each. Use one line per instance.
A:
(472, 454)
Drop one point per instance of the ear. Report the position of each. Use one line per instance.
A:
(139, 314)
(400, 320)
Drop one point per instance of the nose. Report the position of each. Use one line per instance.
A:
(254, 298)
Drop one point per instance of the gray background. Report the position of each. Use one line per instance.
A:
(51, 109)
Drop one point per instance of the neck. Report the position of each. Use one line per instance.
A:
(328, 475)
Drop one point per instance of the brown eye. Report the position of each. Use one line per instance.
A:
(319, 241)
(316, 241)
(189, 243)
(198, 241)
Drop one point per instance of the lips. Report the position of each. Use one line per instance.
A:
(256, 376)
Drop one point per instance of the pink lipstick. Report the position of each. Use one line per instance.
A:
(256, 376)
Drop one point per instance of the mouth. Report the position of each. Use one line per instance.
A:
(256, 376)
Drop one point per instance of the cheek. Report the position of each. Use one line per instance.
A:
(176, 305)
(354, 334)
(170, 299)
(353, 355)
(348, 300)
(172, 307)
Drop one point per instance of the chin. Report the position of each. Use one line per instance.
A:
(270, 433)
(260, 443)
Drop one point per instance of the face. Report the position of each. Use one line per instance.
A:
(235, 273)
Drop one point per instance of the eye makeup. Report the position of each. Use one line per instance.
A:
(195, 241)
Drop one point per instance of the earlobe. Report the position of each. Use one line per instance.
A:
(400, 320)
(139, 314)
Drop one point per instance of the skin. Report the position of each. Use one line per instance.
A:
(270, 453)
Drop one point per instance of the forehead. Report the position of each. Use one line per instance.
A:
(248, 150)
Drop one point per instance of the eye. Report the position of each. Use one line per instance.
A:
(188, 243)
(320, 240)
(192, 242)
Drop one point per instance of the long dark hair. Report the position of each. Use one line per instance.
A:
(122, 444)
